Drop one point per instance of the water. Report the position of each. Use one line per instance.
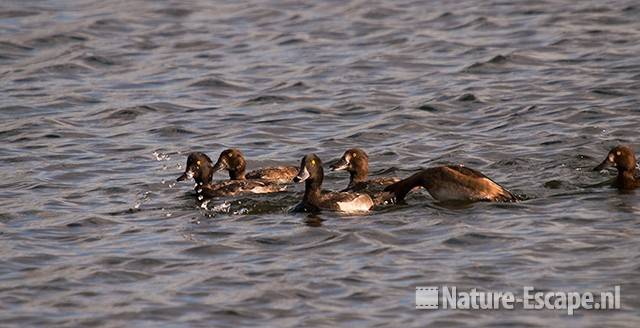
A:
(101, 102)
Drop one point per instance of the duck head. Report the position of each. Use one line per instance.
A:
(199, 167)
(310, 170)
(356, 162)
(621, 157)
(233, 161)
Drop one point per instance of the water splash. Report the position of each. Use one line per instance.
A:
(222, 208)
(161, 156)
(142, 199)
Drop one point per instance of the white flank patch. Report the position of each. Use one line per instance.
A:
(359, 204)
(264, 190)
(260, 190)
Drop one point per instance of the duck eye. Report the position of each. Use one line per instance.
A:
(313, 162)
(230, 154)
(354, 155)
(618, 153)
(198, 162)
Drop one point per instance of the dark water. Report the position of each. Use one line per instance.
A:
(101, 101)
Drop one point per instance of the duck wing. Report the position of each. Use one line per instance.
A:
(371, 186)
(237, 187)
(280, 174)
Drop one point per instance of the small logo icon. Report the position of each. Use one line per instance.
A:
(426, 297)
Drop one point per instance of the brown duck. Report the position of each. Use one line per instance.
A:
(624, 159)
(452, 183)
(356, 162)
(314, 199)
(201, 169)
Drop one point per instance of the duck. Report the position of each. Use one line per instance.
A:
(200, 168)
(356, 162)
(233, 161)
(452, 183)
(622, 158)
(315, 200)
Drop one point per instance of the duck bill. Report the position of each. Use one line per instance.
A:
(221, 164)
(186, 175)
(606, 163)
(303, 174)
(342, 164)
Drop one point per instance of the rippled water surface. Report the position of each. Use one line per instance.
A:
(102, 100)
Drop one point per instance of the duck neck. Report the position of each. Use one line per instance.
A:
(401, 188)
(357, 176)
(200, 182)
(237, 167)
(204, 177)
(626, 179)
(237, 174)
(312, 191)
